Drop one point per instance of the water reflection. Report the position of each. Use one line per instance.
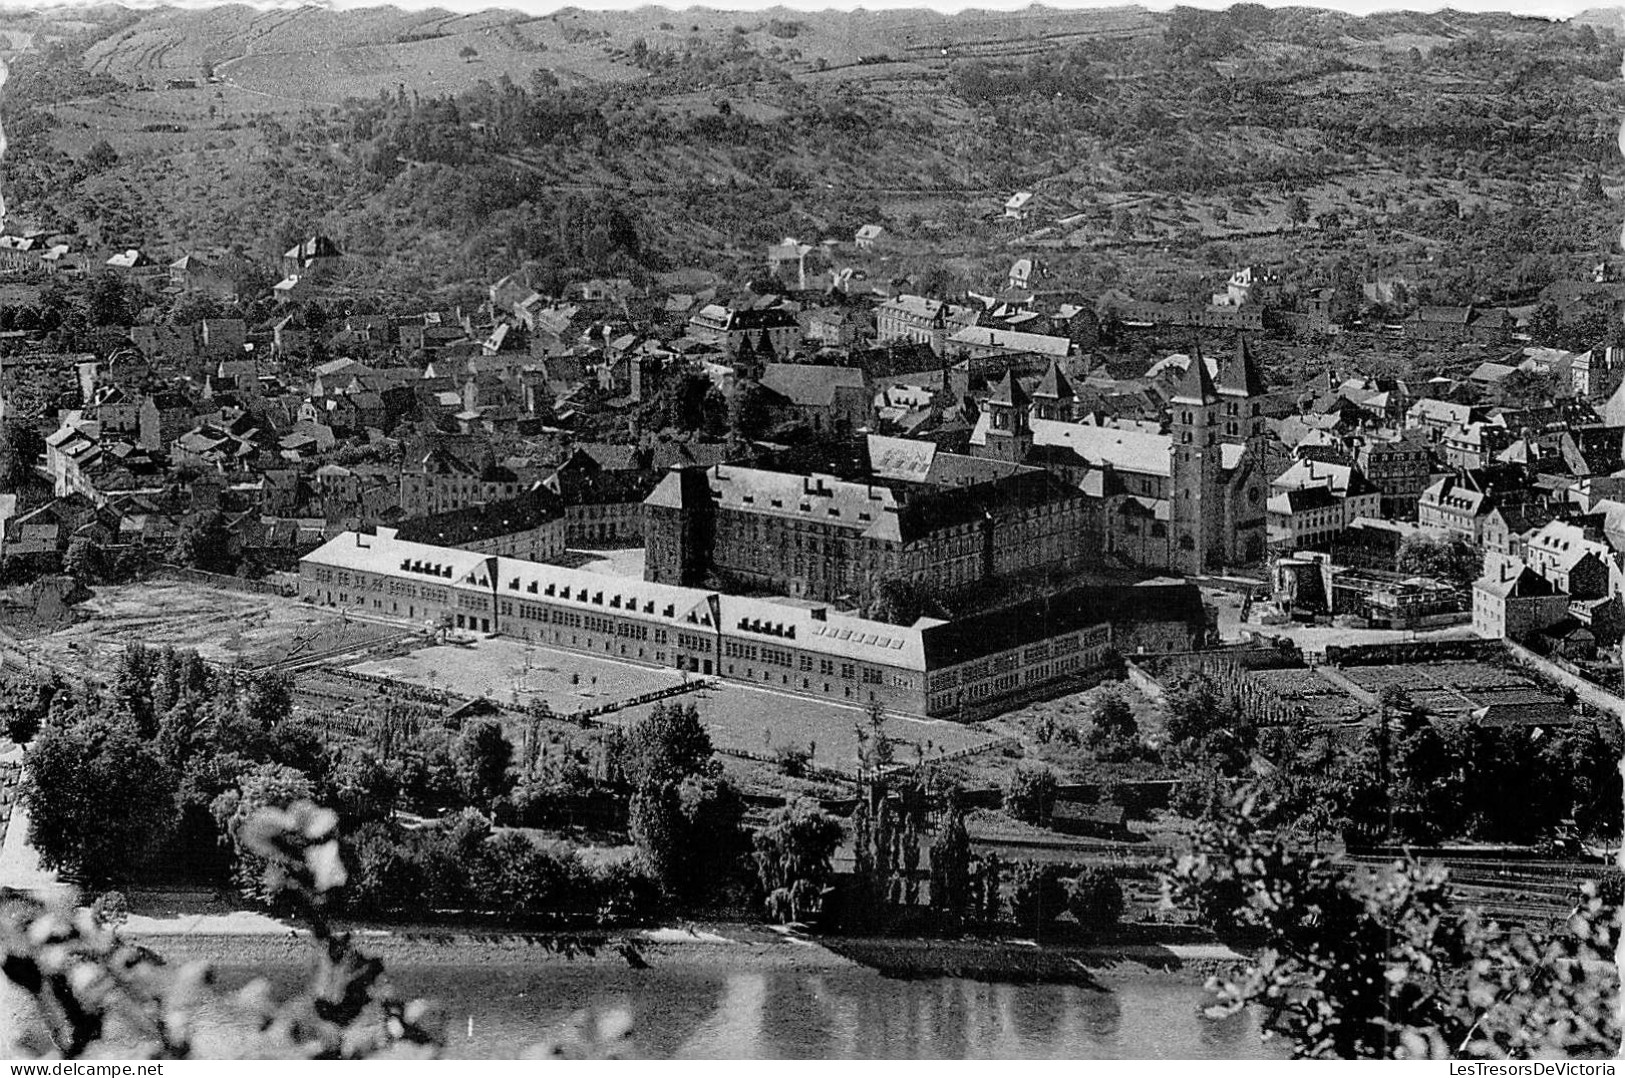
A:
(700, 1011)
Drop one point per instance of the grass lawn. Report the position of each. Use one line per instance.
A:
(623, 562)
(510, 671)
(746, 719)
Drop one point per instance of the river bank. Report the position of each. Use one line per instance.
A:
(732, 947)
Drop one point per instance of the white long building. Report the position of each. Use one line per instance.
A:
(928, 668)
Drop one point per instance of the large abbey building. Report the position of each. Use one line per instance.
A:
(958, 669)
(822, 538)
(1190, 501)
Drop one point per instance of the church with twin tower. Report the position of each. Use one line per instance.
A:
(1190, 501)
(1219, 485)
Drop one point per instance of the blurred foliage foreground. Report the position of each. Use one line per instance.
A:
(98, 995)
(1387, 966)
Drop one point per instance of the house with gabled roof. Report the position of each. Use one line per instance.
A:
(1574, 562)
(832, 399)
(133, 262)
(1512, 601)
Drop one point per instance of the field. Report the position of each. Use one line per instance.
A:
(741, 718)
(1452, 688)
(222, 626)
(513, 673)
(1321, 701)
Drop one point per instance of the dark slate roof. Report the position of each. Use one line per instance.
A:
(1008, 391)
(1307, 498)
(1196, 385)
(664, 455)
(610, 457)
(1456, 315)
(949, 507)
(1238, 372)
(1054, 385)
(809, 384)
(462, 526)
(958, 470)
(1038, 619)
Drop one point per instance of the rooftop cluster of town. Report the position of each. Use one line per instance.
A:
(861, 470)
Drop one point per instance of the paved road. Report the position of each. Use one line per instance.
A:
(20, 867)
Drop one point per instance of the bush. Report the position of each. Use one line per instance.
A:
(1038, 895)
(626, 894)
(1114, 733)
(1198, 793)
(483, 757)
(1030, 793)
(792, 760)
(793, 856)
(515, 877)
(1095, 899)
(110, 910)
(388, 873)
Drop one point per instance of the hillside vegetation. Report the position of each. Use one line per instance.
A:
(1471, 154)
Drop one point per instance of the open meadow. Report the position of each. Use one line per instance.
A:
(510, 672)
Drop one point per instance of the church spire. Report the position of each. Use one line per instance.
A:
(1196, 386)
(1008, 392)
(1054, 385)
(1238, 373)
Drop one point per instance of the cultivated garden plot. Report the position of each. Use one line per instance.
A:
(222, 626)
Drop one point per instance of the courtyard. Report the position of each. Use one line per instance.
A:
(517, 674)
(741, 719)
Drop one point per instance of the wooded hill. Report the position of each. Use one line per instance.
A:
(1472, 154)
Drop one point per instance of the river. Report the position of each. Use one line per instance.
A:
(704, 1010)
(733, 1002)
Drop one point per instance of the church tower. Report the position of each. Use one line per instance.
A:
(1241, 396)
(1053, 397)
(1241, 390)
(1009, 428)
(1195, 510)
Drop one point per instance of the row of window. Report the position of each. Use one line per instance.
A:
(1004, 665)
(1094, 639)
